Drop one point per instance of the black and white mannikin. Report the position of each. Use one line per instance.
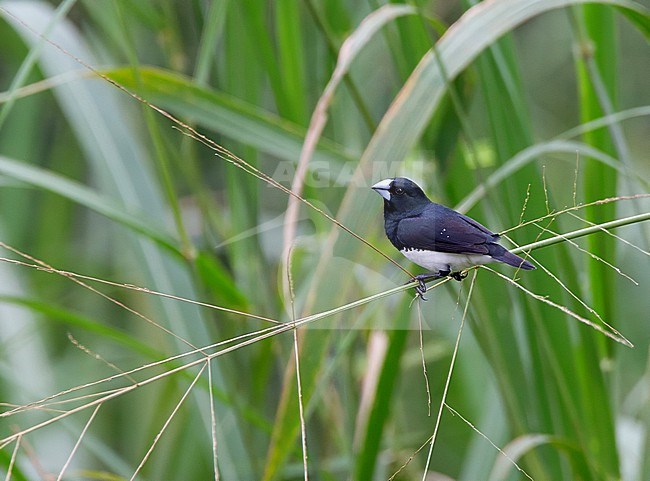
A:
(441, 240)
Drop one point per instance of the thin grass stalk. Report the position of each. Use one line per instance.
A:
(443, 401)
(213, 424)
(167, 422)
(78, 443)
(296, 360)
(163, 160)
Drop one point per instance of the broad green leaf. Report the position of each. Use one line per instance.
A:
(84, 196)
(222, 113)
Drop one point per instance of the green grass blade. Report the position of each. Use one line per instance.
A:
(84, 196)
(225, 114)
(371, 440)
(119, 165)
(291, 59)
(472, 34)
(597, 70)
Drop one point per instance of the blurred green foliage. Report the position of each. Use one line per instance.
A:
(95, 182)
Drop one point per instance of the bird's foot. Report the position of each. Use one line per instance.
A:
(422, 279)
(459, 276)
(420, 289)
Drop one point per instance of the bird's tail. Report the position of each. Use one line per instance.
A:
(502, 254)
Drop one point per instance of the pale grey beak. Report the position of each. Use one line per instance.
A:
(382, 188)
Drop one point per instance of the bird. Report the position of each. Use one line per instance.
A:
(441, 240)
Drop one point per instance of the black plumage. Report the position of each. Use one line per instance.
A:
(438, 228)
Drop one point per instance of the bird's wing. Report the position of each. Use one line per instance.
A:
(444, 230)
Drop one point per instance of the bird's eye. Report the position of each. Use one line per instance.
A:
(399, 191)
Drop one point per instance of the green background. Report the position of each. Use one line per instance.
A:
(541, 104)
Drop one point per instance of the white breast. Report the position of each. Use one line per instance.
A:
(443, 261)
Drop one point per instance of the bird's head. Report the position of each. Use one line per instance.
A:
(401, 194)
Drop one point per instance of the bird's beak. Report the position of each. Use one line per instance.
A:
(382, 188)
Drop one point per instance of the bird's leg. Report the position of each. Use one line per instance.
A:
(421, 288)
(446, 273)
(459, 276)
(422, 279)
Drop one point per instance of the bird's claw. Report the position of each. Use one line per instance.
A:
(459, 276)
(421, 289)
(421, 279)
